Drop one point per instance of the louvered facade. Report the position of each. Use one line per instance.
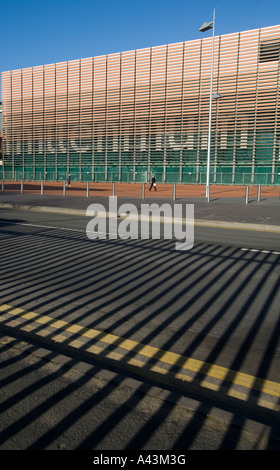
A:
(121, 117)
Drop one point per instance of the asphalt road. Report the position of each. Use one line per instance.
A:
(216, 305)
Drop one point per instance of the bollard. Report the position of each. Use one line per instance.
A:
(174, 192)
(2, 185)
(64, 188)
(247, 195)
(87, 189)
(42, 187)
(208, 194)
(259, 193)
(21, 186)
(143, 190)
(113, 189)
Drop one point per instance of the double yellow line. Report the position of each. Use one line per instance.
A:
(143, 357)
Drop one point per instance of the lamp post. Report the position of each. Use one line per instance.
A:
(205, 27)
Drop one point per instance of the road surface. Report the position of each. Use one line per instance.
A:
(198, 328)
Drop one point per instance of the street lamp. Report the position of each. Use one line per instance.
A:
(205, 27)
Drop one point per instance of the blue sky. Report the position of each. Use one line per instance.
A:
(37, 32)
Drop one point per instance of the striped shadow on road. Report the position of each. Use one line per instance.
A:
(144, 360)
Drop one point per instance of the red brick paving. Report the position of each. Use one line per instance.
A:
(135, 190)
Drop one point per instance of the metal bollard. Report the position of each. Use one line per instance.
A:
(2, 185)
(207, 195)
(113, 189)
(42, 187)
(21, 186)
(259, 193)
(174, 192)
(247, 195)
(143, 190)
(64, 188)
(87, 189)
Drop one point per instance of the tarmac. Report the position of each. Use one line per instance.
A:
(228, 205)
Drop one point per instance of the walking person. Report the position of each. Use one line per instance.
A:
(69, 180)
(153, 183)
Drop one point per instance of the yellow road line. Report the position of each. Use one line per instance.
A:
(151, 352)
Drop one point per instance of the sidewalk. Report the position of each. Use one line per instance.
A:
(132, 190)
(227, 204)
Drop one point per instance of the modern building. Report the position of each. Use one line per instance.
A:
(123, 116)
(1, 160)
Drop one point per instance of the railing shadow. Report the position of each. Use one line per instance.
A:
(212, 303)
